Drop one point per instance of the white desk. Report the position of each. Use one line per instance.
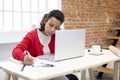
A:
(62, 67)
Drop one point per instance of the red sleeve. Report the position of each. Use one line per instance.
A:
(18, 51)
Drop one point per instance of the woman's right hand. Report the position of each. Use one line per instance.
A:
(28, 60)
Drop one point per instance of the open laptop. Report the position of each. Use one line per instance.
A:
(68, 44)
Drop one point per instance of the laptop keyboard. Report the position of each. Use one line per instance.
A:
(49, 57)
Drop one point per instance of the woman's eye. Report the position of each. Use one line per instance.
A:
(51, 25)
(57, 28)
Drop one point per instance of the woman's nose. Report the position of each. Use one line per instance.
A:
(53, 29)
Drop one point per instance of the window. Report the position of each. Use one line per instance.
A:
(18, 15)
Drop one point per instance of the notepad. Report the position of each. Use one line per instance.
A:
(43, 63)
(37, 63)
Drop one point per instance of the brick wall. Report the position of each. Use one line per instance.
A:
(95, 16)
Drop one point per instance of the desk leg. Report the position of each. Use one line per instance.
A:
(83, 75)
(8, 76)
(116, 70)
(91, 74)
(14, 77)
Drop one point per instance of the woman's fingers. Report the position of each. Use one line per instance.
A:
(28, 59)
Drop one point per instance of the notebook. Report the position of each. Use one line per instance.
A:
(68, 44)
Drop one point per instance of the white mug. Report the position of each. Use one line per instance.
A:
(96, 49)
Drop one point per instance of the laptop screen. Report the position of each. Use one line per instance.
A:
(69, 44)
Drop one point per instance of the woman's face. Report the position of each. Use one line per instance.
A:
(51, 26)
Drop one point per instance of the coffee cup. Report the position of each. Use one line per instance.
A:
(96, 49)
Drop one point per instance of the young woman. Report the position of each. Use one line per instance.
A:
(41, 41)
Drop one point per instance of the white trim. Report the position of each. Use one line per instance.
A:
(60, 4)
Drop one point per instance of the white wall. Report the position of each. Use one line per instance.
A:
(11, 36)
(5, 53)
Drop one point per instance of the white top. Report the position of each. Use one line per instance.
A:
(44, 40)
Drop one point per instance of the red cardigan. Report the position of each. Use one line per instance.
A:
(32, 44)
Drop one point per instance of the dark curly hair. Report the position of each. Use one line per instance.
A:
(54, 13)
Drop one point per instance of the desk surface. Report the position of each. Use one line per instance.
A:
(61, 68)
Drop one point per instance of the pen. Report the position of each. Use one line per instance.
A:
(47, 65)
(29, 55)
(50, 65)
(25, 64)
(23, 67)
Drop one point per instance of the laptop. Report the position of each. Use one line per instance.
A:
(68, 44)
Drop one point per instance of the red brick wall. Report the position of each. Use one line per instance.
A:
(95, 16)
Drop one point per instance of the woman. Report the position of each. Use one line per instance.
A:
(41, 41)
